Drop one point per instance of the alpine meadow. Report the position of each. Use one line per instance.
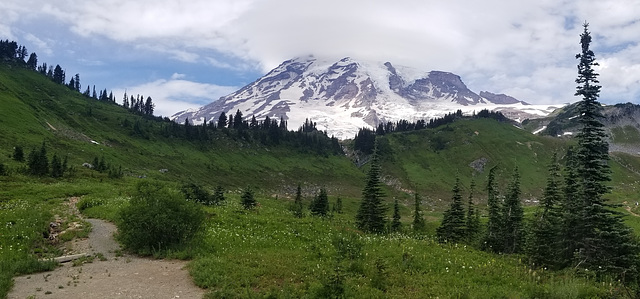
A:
(467, 205)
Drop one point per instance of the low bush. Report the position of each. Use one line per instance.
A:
(158, 219)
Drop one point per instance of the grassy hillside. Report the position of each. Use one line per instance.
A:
(429, 160)
(34, 110)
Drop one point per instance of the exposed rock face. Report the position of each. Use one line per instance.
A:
(346, 95)
(500, 98)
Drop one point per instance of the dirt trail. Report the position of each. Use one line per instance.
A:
(125, 276)
(628, 208)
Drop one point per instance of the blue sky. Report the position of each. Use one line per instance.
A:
(185, 54)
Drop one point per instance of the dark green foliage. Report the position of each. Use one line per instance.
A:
(337, 207)
(100, 165)
(247, 199)
(418, 221)
(513, 216)
(56, 167)
(222, 120)
(18, 154)
(3, 170)
(396, 225)
(157, 219)
(197, 193)
(605, 243)
(543, 243)
(570, 210)
(493, 239)
(452, 228)
(320, 204)
(115, 173)
(371, 216)
(472, 226)
(298, 208)
(37, 162)
(218, 195)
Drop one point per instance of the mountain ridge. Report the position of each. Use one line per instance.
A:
(349, 94)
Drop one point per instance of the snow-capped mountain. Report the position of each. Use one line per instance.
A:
(343, 96)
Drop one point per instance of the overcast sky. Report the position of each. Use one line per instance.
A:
(185, 54)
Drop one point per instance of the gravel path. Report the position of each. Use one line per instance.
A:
(126, 276)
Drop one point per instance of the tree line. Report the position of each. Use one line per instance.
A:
(14, 54)
(365, 138)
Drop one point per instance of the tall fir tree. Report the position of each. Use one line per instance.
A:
(396, 225)
(472, 226)
(56, 167)
(247, 199)
(418, 221)
(543, 246)
(493, 239)
(371, 215)
(452, 228)
(605, 243)
(298, 207)
(513, 216)
(320, 204)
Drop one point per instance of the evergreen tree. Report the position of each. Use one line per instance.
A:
(513, 216)
(542, 245)
(58, 75)
(452, 228)
(472, 227)
(18, 154)
(222, 120)
(56, 167)
(605, 243)
(149, 106)
(65, 164)
(493, 239)
(230, 121)
(38, 163)
(32, 63)
(237, 120)
(337, 207)
(76, 82)
(396, 225)
(418, 221)
(218, 195)
(320, 204)
(371, 214)
(248, 200)
(125, 101)
(297, 203)
(570, 210)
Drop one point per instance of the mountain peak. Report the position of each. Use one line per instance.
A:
(345, 95)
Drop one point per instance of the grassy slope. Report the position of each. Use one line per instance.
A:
(431, 170)
(33, 110)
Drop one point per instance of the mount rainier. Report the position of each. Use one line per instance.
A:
(344, 96)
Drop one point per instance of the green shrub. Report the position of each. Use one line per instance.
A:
(158, 219)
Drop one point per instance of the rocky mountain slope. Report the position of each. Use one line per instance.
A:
(343, 96)
(621, 122)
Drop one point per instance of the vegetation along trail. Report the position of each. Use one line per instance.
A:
(108, 273)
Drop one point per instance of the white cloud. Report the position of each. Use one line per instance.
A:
(42, 45)
(524, 47)
(176, 94)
